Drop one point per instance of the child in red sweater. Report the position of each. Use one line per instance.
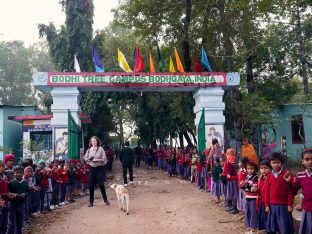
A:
(4, 189)
(278, 198)
(303, 181)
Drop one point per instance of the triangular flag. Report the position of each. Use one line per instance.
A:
(152, 67)
(134, 58)
(98, 64)
(139, 65)
(123, 64)
(76, 64)
(160, 60)
(171, 66)
(204, 61)
(196, 66)
(178, 61)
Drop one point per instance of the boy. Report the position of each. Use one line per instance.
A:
(55, 185)
(4, 189)
(20, 189)
(278, 198)
(62, 179)
(28, 173)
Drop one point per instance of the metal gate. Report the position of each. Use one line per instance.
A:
(74, 138)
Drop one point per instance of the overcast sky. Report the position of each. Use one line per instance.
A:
(19, 18)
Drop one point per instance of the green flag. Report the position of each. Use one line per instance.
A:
(160, 60)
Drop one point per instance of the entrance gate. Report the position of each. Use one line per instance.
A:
(207, 87)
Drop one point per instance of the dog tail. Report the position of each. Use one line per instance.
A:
(127, 202)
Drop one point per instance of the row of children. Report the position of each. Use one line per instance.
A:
(266, 199)
(29, 190)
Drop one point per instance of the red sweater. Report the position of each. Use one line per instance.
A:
(84, 176)
(62, 175)
(230, 169)
(261, 188)
(54, 173)
(4, 188)
(276, 191)
(303, 181)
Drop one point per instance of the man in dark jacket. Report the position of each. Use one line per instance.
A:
(126, 159)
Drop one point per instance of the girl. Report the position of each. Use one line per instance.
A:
(278, 198)
(194, 159)
(250, 185)
(84, 179)
(241, 175)
(230, 173)
(304, 181)
(265, 168)
(216, 186)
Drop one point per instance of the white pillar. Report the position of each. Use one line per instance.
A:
(211, 100)
(64, 99)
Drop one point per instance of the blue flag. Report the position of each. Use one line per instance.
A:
(134, 58)
(204, 61)
(98, 64)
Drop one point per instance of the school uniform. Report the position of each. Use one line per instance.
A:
(216, 186)
(303, 181)
(55, 186)
(199, 174)
(28, 204)
(241, 198)
(193, 167)
(17, 206)
(84, 180)
(4, 189)
(62, 176)
(278, 197)
(231, 185)
(251, 211)
(262, 214)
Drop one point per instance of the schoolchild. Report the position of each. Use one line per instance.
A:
(55, 185)
(49, 189)
(194, 160)
(4, 189)
(9, 163)
(303, 181)
(241, 175)
(71, 180)
(20, 189)
(250, 185)
(265, 170)
(62, 176)
(231, 176)
(278, 198)
(204, 172)
(41, 182)
(187, 172)
(28, 173)
(84, 179)
(216, 179)
(77, 190)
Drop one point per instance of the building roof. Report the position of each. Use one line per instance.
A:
(85, 118)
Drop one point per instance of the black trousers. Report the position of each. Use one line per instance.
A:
(96, 176)
(126, 166)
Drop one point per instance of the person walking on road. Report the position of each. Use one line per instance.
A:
(127, 159)
(97, 160)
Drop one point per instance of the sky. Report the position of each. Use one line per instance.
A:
(19, 18)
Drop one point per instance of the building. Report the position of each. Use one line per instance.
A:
(11, 133)
(290, 129)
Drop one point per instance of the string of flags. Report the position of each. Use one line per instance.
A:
(139, 65)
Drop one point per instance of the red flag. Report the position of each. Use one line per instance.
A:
(139, 65)
(197, 67)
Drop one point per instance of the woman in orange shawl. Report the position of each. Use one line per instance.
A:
(249, 152)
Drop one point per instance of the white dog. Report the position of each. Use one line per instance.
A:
(122, 197)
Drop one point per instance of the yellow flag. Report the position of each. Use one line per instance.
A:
(123, 64)
(152, 67)
(171, 66)
(178, 61)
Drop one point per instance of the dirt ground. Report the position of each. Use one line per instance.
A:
(158, 204)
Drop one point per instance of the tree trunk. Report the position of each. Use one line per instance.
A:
(193, 135)
(188, 139)
(237, 124)
(249, 74)
(121, 132)
(186, 47)
(181, 139)
(302, 54)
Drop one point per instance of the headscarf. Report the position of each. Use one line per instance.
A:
(8, 157)
(230, 155)
(40, 162)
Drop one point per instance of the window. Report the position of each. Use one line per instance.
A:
(43, 136)
(297, 129)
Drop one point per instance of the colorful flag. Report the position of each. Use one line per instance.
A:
(138, 61)
(152, 67)
(196, 66)
(123, 64)
(204, 61)
(98, 64)
(160, 60)
(171, 66)
(134, 58)
(178, 61)
(76, 64)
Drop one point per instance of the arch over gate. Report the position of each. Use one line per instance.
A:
(207, 87)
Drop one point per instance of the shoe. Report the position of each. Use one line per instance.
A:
(131, 182)
(235, 211)
(107, 203)
(57, 207)
(90, 205)
(63, 204)
(126, 185)
(229, 208)
(52, 207)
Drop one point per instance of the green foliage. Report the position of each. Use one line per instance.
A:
(32, 149)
